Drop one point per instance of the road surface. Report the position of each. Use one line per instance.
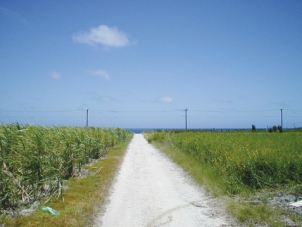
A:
(151, 191)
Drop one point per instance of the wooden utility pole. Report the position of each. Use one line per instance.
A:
(186, 118)
(87, 118)
(281, 120)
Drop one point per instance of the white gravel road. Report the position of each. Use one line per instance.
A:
(150, 191)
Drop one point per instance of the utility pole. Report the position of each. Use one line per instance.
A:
(281, 120)
(87, 118)
(186, 116)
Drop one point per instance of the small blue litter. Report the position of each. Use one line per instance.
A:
(50, 210)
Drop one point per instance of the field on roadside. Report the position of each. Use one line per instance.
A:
(243, 159)
(35, 159)
(250, 170)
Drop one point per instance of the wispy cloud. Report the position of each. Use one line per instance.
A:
(12, 15)
(55, 75)
(102, 98)
(224, 100)
(281, 104)
(101, 74)
(166, 99)
(108, 99)
(104, 35)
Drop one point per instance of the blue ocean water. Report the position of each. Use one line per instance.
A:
(140, 130)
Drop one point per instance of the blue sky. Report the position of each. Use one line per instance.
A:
(141, 63)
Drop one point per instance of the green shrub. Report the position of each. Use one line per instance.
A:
(156, 136)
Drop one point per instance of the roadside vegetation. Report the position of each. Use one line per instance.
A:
(244, 167)
(68, 169)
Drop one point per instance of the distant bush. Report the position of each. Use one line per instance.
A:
(280, 128)
(253, 128)
(156, 136)
(275, 129)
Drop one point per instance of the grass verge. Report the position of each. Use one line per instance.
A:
(255, 214)
(83, 198)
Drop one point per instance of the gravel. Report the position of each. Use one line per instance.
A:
(152, 191)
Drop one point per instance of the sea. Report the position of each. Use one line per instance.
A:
(140, 130)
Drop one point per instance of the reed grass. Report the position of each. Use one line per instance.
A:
(35, 159)
(84, 197)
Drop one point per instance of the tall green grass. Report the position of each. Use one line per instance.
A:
(241, 161)
(35, 159)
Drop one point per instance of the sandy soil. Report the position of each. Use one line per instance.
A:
(150, 191)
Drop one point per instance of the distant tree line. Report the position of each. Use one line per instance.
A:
(271, 129)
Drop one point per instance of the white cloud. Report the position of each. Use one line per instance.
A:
(165, 99)
(108, 99)
(102, 98)
(103, 35)
(224, 100)
(55, 75)
(100, 73)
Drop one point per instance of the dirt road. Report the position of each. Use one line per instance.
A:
(152, 191)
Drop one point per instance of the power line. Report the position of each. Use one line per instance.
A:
(143, 111)
(38, 111)
(232, 111)
(146, 114)
(135, 111)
